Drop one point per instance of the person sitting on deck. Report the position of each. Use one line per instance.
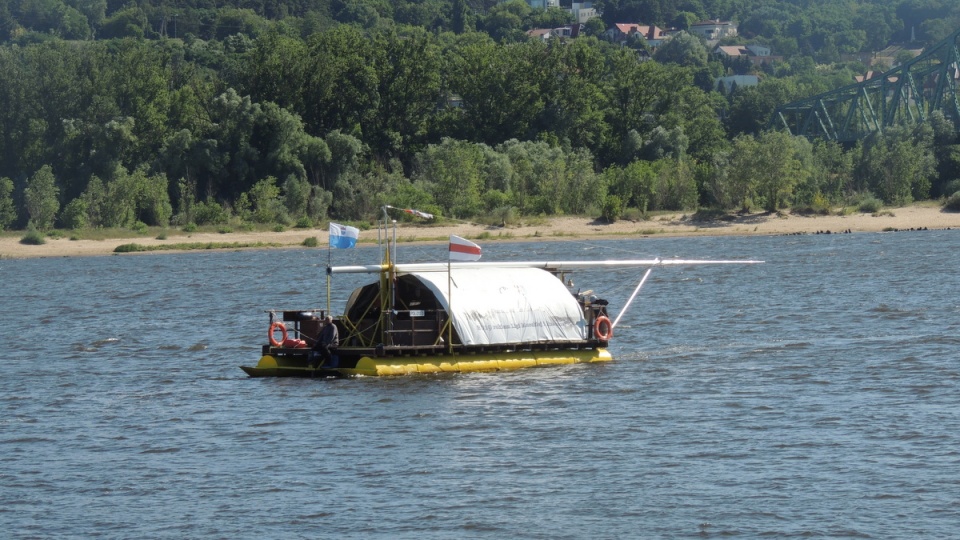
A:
(328, 340)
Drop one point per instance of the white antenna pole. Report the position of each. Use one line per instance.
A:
(632, 296)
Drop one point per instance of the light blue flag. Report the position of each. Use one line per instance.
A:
(343, 236)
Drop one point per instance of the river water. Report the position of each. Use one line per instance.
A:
(815, 395)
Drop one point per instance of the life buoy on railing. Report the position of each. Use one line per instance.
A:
(277, 325)
(602, 328)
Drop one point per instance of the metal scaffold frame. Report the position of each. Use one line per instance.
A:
(906, 94)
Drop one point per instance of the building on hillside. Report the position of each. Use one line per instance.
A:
(540, 33)
(621, 32)
(713, 30)
(757, 54)
(739, 80)
(583, 12)
(543, 4)
(872, 75)
(564, 32)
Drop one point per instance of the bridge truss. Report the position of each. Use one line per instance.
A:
(904, 95)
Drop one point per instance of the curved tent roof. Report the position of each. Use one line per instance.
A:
(493, 306)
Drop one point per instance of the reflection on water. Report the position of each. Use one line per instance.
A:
(814, 395)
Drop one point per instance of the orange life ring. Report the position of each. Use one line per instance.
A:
(283, 330)
(602, 328)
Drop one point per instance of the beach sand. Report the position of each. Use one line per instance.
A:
(920, 216)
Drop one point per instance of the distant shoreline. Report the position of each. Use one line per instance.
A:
(923, 216)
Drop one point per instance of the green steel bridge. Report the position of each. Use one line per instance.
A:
(904, 95)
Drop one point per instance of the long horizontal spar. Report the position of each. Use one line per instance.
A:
(546, 265)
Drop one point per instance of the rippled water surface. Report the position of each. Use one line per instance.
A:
(815, 395)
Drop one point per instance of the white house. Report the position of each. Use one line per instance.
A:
(543, 4)
(541, 33)
(583, 12)
(713, 30)
(758, 54)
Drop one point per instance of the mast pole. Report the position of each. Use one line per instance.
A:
(449, 307)
(632, 296)
(329, 273)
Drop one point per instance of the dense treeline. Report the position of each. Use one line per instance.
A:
(295, 112)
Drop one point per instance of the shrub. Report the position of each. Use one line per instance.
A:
(818, 206)
(612, 208)
(33, 237)
(633, 214)
(869, 204)
(190, 227)
(495, 199)
(952, 187)
(139, 227)
(304, 223)
(128, 248)
(953, 202)
(279, 228)
(504, 215)
(209, 212)
(311, 242)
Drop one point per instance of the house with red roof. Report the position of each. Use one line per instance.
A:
(622, 32)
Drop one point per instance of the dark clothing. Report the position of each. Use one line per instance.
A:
(329, 336)
(327, 341)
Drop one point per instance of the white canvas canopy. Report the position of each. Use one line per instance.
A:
(493, 306)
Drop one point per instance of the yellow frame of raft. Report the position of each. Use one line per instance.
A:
(271, 366)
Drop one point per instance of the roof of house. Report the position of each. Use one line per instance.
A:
(648, 31)
(734, 50)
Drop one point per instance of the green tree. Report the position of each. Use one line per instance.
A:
(8, 212)
(500, 86)
(753, 106)
(127, 22)
(276, 69)
(898, 165)
(41, 197)
(408, 77)
(573, 95)
(504, 22)
(632, 184)
(766, 169)
(674, 185)
(454, 171)
(345, 154)
(265, 201)
(74, 215)
(93, 197)
(684, 49)
(153, 200)
(340, 90)
(612, 208)
(118, 205)
(296, 196)
(830, 173)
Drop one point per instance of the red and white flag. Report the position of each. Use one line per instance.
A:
(463, 250)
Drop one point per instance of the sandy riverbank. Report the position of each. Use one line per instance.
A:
(912, 217)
